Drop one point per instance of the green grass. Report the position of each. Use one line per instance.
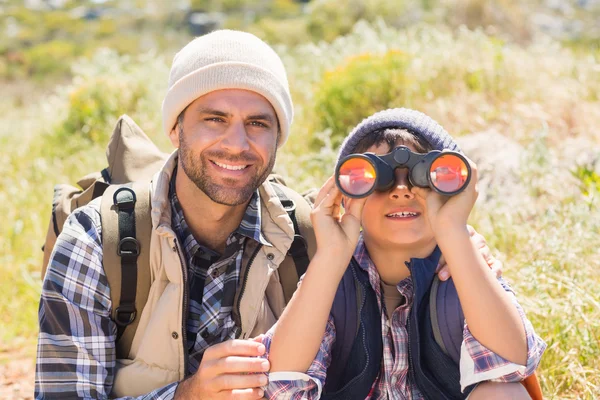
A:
(543, 97)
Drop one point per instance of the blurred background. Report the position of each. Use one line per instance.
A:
(517, 83)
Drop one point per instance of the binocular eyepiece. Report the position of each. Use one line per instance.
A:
(358, 175)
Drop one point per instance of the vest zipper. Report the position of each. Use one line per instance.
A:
(364, 335)
(185, 309)
(239, 316)
(412, 315)
(411, 365)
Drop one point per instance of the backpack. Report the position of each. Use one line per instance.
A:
(126, 224)
(447, 321)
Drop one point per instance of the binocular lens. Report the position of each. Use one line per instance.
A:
(449, 173)
(357, 176)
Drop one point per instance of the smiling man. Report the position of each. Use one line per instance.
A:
(219, 233)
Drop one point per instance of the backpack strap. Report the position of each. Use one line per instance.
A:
(447, 321)
(447, 317)
(304, 244)
(126, 231)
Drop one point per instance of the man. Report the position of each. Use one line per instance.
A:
(219, 233)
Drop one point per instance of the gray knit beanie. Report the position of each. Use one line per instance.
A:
(227, 59)
(399, 118)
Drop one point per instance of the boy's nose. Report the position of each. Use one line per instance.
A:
(402, 186)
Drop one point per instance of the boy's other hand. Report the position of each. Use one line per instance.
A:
(481, 244)
(336, 232)
(449, 214)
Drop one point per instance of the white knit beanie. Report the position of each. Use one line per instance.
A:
(227, 59)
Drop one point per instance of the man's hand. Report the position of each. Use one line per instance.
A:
(229, 370)
(479, 241)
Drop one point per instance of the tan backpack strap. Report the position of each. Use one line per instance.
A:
(304, 245)
(126, 260)
(67, 198)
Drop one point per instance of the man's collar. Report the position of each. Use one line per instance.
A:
(251, 222)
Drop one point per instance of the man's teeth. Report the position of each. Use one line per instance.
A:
(403, 214)
(231, 167)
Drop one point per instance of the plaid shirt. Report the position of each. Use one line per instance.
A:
(76, 344)
(477, 363)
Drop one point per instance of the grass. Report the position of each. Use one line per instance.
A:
(544, 223)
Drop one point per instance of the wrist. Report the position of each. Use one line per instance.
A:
(181, 392)
(330, 262)
(451, 232)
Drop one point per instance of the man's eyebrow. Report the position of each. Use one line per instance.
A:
(266, 117)
(212, 111)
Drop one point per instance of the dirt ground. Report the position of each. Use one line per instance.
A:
(17, 373)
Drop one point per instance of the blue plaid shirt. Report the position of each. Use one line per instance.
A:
(76, 344)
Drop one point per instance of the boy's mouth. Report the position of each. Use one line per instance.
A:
(403, 214)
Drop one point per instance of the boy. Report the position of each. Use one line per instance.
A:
(393, 355)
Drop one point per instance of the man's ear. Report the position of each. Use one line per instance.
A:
(174, 136)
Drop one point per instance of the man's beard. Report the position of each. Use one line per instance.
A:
(195, 168)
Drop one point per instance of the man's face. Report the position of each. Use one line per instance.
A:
(227, 144)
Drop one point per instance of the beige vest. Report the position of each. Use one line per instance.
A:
(158, 355)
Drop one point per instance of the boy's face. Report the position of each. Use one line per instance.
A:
(396, 217)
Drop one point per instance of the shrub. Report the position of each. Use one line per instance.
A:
(288, 31)
(327, 19)
(93, 105)
(589, 181)
(361, 86)
(48, 59)
(105, 87)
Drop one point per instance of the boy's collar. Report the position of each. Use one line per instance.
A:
(361, 255)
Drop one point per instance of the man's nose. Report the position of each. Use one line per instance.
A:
(236, 138)
(402, 186)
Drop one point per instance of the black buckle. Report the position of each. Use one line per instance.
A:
(298, 247)
(288, 205)
(125, 314)
(128, 247)
(124, 198)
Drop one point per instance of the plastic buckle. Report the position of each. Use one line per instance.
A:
(128, 247)
(124, 198)
(298, 247)
(288, 205)
(125, 314)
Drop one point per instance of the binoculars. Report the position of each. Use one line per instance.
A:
(447, 173)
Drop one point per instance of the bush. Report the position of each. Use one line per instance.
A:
(94, 106)
(289, 31)
(589, 181)
(328, 19)
(48, 59)
(361, 86)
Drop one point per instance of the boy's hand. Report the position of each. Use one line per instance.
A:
(337, 233)
(480, 243)
(445, 213)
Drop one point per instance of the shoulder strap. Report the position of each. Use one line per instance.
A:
(126, 230)
(304, 245)
(447, 321)
(447, 318)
